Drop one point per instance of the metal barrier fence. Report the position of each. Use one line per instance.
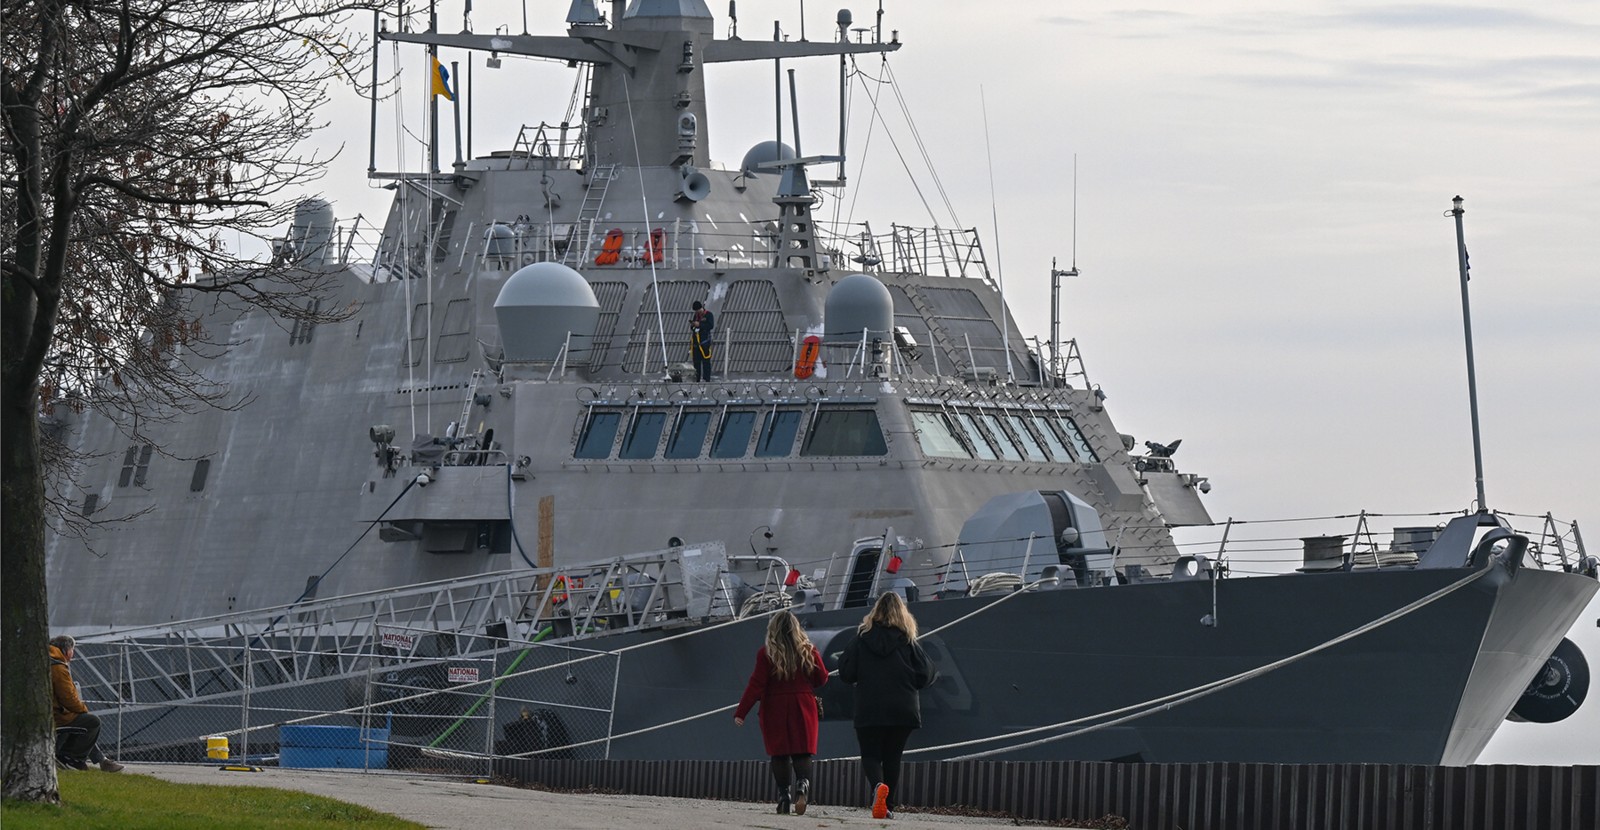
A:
(402, 700)
(1215, 796)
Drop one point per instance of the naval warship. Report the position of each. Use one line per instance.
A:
(505, 456)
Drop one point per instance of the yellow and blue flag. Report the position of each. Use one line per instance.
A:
(441, 81)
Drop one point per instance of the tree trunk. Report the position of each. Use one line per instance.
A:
(27, 734)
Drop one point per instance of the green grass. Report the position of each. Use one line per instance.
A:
(98, 800)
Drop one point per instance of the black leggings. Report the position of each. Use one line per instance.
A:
(781, 764)
(881, 748)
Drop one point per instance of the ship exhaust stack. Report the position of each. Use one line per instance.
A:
(310, 234)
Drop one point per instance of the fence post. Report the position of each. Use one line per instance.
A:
(494, 691)
(244, 709)
(122, 681)
(611, 716)
(366, 708)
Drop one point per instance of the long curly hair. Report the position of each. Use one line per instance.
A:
(789, 650)
(891, 612)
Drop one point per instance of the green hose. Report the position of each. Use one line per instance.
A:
(492, 687)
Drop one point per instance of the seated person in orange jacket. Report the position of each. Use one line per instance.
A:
(80, 742)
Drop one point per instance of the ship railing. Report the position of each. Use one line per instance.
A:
(358, 240)
(550, 143)
(1364, 540)
(476, 458)
(678, 245)
(693, 245)
(905, 249)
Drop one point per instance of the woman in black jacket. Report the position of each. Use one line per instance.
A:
(887, 668)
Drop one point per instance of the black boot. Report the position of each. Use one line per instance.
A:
(783, 801)
(802, 789)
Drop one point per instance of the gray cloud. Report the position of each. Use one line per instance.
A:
(1448, 17)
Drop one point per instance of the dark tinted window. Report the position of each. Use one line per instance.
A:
(734, 436)
(598, 435)
(144, 465)
(778, 429)
(845, 432)
(644, 436)
(689, 436)
(128, 462)
(202, 468)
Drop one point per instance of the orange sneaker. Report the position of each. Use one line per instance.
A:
(880, 802)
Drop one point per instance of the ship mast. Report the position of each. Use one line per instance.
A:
(1466, 322)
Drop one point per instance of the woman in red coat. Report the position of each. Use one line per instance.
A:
(788, 667)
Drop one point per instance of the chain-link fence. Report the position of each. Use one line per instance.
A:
(401, 699)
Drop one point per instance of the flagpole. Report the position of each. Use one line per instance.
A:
(433, 99)
(455, 109)
(1472, 374)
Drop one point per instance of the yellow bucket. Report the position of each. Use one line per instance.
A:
(217, 747)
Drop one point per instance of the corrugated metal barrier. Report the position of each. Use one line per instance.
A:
(1149, 796)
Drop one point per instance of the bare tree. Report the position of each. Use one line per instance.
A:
(137, 133)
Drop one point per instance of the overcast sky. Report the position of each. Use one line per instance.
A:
(1267, 271)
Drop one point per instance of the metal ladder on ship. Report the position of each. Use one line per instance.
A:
(593, 200)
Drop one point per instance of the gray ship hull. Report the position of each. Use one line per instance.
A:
(1426, 689)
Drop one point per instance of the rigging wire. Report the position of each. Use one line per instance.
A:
(655, 287)
(994, 213)
(916, 134)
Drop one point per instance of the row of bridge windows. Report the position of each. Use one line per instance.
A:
(1022, 435)
(728, 433)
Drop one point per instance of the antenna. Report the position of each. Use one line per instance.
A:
(1056, 275)
(1466, 323)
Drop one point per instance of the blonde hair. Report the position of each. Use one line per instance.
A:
(789, 650)
(891, 612)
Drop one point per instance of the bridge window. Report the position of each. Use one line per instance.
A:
(1052, 442)
(937, 436)
(975, 437)
(689, 435)
(733, 438)
(1002, 441)
(598, 435)
(1030, 447)
(778, 429)
(845, 432)
(644, 436)
(1080, 445)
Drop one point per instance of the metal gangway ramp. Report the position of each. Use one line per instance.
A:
(413, 670)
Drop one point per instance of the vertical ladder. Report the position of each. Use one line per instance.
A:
(462, 429)
(593, 200)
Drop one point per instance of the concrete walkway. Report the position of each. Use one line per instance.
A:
(455, 804)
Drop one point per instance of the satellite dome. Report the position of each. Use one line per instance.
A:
(764, 152)
(537, 308)
(500, 240)
(856, 303)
